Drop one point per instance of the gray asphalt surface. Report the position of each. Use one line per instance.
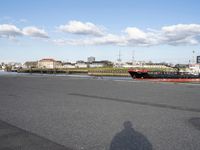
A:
(91, 114)
(12, 138)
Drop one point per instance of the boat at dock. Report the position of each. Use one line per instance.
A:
(164, 76)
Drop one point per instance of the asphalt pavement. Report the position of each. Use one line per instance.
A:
(75, 113)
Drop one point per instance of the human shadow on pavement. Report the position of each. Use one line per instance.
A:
(130, 139)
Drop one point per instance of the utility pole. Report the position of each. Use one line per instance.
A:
(119, 57)
(193, 57)
(133, 57)
(119, 60)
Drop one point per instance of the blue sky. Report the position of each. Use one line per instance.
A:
(72, 30)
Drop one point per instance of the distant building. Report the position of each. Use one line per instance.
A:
(143, 64)
(128, 65)
(195, 68)
(58, 64)
(103, 63)
(3, 66)
(30, 64)
(14, 65)
(68, 65)
(181, 66)
(118, 64)
(198, 59)
(47, 63)
(81, 64)
(91, 59)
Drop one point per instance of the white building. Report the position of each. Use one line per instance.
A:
(47, 63)
(68, 65)
(96, 65)
(58, 64)
(81, 64)
(30, 64)
(195, 68)
(142, 64)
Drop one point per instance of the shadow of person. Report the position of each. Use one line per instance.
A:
(129, 139)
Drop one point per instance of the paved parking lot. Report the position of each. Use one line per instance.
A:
(91, 114)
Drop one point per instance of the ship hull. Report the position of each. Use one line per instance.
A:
(164, 76)
(195, 80)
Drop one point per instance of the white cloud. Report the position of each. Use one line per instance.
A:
(8, 30)
(11, 31)
(34, 32)
(181, 34)
(73, 42)
(132, 37)
(137, 37)
(77, 27)
(188, 29)
(109, 39)
(135, 33)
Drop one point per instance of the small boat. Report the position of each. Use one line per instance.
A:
(164, 76)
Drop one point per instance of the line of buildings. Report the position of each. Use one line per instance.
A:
(50, 63)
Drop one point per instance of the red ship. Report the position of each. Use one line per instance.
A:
(164, 76)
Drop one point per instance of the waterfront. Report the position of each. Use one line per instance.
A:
(87, 113)
(4, 73)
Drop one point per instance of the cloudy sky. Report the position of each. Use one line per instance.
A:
(72, 30)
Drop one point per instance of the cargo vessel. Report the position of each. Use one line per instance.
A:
(164, 76)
